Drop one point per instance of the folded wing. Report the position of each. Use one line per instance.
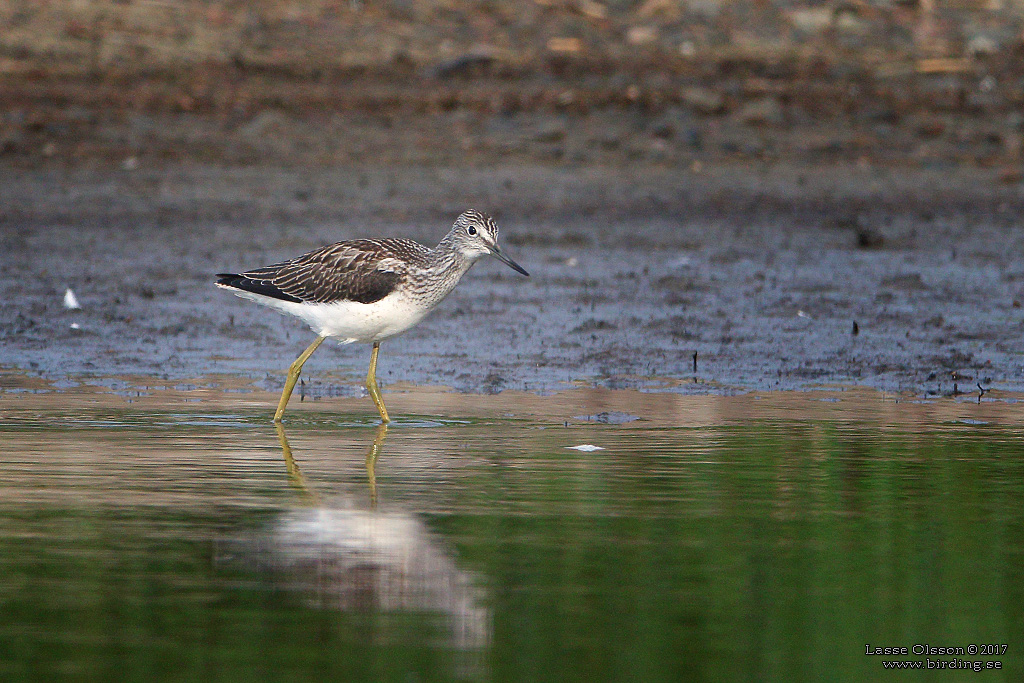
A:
(364, 271)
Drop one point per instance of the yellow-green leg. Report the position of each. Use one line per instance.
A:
(293, 377)
(371, 461)
(371, 385)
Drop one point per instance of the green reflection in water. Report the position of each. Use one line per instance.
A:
(776, 553)
(770, 551)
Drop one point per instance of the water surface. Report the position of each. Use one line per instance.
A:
(199, 543)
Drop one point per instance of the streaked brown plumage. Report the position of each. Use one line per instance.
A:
(361, 270)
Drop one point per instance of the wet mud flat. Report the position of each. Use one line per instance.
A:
(775, 276)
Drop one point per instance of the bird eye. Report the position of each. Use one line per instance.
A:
(471, 230)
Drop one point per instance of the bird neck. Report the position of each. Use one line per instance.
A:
(446, 257)
(446, 268)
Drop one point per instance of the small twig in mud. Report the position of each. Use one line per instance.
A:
(981, 391)
(695, 362)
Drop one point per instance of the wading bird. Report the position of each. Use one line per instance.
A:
(367, 290)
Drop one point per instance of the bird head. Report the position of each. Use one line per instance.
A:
(475, 235)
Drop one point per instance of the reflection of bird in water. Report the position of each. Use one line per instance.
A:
(382, 561)
(388, 561)
(367, 290)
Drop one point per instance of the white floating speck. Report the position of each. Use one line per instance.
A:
(803, 314)
(585, 447)
(70, 300)
(76, 326)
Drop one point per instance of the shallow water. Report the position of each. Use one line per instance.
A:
(765, 541)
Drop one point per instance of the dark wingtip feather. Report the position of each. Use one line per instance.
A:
(230, 279)
(261, 287)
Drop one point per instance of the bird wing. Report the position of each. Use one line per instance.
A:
(356, 270)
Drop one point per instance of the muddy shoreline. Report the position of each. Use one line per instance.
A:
(762, 271)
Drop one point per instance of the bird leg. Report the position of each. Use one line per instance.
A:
(371, 461)
(371, 385)
(293, 377)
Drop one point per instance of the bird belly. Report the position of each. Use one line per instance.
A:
(376, 321)
(349, 321)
